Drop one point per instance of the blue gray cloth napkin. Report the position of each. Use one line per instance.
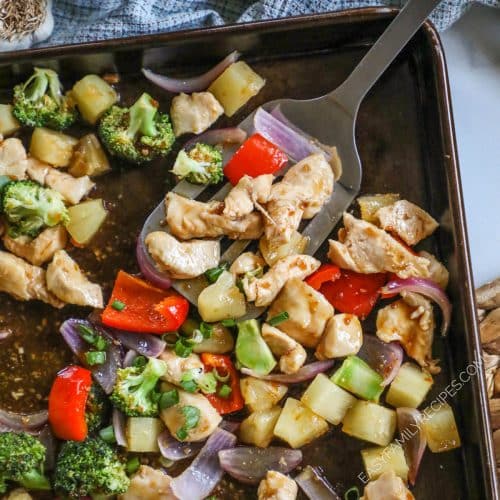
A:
(87, 20)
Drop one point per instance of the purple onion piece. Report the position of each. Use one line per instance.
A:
(250, 464)
(129, 358)
(315, 486)
(118, 421)
(413, 439)
(28, 422)
(148, 268)
(175, 450)
(384, 357)
(307, 372)
(194, 84)
(145, 344)
(205, 472)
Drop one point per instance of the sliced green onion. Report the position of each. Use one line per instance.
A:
(225, 391)
(228, 323)
(191, 416)
(206, 330)
(168, 399)
(196, 338)
(213, 274)
(95, 357)
(189, 381)
(87, 334)
(133, 465)
(207, 383)
(100, 343)
(279, 318)
(352, 494)
(107, 434)
(139, 362)
(181, 433)
(181, 349)
(221, 378)
(118, 305)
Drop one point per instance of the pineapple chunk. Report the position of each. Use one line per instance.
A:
(379, 460)
(370, 422)
(85, 219)
(327, 399)
(8, 122)
(440, 428)
(52, 147)
(142, 434)
(410, 387)
(89, 158)
(298, 425)
(257, 429)
(260, 394)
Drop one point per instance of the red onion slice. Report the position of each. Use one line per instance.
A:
(232, 135)
(424, 287)
(118, 421)
(148, 268)
(176, 450)
(11, 421)
(193, 84)
(384, 357)
(250, 464)
(128, 359)
(315, 486)
(145, 344)
(412, 439)
(307, 372)
(205, 472)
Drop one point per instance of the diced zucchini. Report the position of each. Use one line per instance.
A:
(440, 428)
(93, 97)
(371, 203)
(142, 434)
(8, 122)
(298, 425)
(85, 219)
(384, 459)
(370, 422)
(52, 147)
(89, 158)
(410, 387)
(327, 400)
(258, 427)
(260, 394)
(355, 376)
(235, 86)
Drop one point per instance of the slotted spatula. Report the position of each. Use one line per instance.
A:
(330, 119)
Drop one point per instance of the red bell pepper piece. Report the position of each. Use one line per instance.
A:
(147, 309)
(256, 156)
(327, 272)
(67, 400)
(354, 293)
(224, 366)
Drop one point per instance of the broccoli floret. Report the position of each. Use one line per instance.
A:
(97, 409)
(21, 461)
(200, 165)
(137, 134)
(39, 102)
(135, 389)
(90, 467)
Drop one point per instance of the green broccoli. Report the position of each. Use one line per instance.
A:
(21, 460)
(137, 134)
(98, 408)
(39, 102)
(135, 389)
(89, 468)
(29, 207)
(200, 165)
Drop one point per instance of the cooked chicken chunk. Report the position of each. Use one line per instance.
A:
(249, 193)
(291, 354)
(412, 325)
(246, 263)
(488, 295)
(149, 484)
(308, 312)
(387, 487)
(277, 486)
(72, 189)
(263, 290)
(13, 159)
(343, 336)
(41, 249)
(187, 259)
(189, 219)
(19, 494)
(209, 418)
(301, 194)
(364, 248)
(194, 113)
(437, 271)
(67, 282)
(24, 281)
(177, 366)
(408, 221)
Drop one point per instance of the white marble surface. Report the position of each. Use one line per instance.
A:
(472, 48)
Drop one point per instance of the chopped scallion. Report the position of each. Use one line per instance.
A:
(206, 330)
(139, 362)
(133, 465)
(87, 334)
(95, 357)
(107, 434)
(118, 305)
(181, 349)
(279, 318)
(169, 399)
(191, 416)
(225, 391)
(100, 343)
(228, 323)
(219, 377)
(213, 274)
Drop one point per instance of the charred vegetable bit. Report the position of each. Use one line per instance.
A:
(21, 461)
(137, 134)
(191, 416)
(251, 349)
(39, 102)
(200, 165)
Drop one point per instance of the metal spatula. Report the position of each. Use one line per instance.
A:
(330, 119)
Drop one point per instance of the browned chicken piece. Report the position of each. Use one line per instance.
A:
(177, 366)
(250, 193)
(67, 282)
(410, 322)
(490, 331)
(41, 249)
(264, 290)
(24, 281)
(437, 271)
(181, 260)
(149, 484)
(308, 310)
(72, 189)
(301, 194)
(364, 248)
(488, 295)
(194, 113)
(13, 159)
(491, 362)
(408, 221)
(343, 336)
(387, 487)
(291, 354)
(246, 263)
(188, 219)
(277, 486)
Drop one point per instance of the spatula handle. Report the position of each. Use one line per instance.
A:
(350, 93)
